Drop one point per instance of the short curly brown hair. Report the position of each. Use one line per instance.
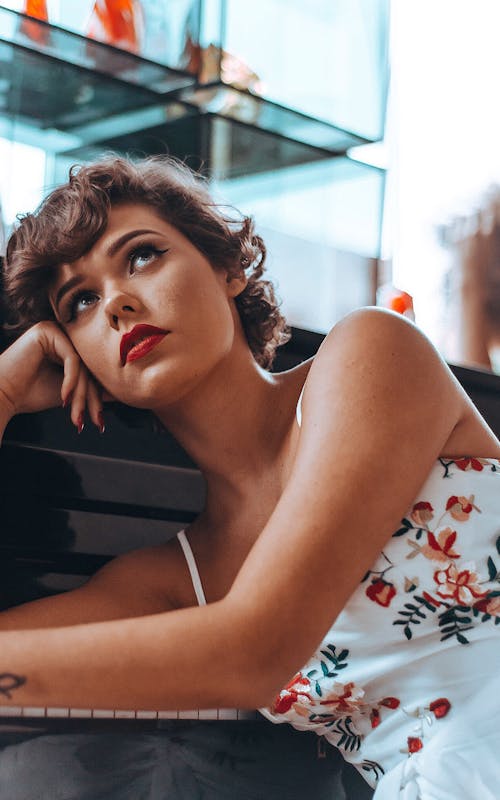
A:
(73, 216)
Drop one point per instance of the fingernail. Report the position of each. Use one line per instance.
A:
(102, 426)
(67, 400)
(80, 423)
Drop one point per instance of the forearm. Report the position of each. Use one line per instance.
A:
(5, 416)
(182, 659)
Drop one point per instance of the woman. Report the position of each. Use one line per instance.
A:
(346, 498)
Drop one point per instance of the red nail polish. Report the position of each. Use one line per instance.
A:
(67, 400)
(102, 426)
(80, 423)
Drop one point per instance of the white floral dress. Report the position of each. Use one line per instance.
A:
(406, 683)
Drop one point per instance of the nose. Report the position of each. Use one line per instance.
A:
(121, 306)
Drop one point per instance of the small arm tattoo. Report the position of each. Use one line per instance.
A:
(9, 682)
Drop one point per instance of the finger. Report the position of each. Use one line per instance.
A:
(95, 404)
(79, 399)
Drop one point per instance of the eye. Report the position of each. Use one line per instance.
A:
(143, 255)
(78, 302)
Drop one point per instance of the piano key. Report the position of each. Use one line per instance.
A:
(54, 713)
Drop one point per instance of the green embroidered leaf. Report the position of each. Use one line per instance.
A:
(418, 535)
(408, 632)
(344, 653)
(325, 669)
(318, 689)
(448, 629)
(407, 526)
(485, 617)
(311, 673)
(420, 614)
(462, 639)
(400, 621)
(411, 606)
(498, 545)
(492, 570)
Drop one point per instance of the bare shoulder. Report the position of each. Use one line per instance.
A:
(375, 350)
(377, 367)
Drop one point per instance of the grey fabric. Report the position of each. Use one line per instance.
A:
(186, 761)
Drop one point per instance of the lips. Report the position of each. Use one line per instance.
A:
(139, 341)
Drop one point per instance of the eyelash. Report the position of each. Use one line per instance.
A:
(145, 248)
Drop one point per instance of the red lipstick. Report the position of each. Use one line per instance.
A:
(139, 341)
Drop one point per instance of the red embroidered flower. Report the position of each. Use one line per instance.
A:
(293, 691)
(440, 707)
(469, 463)
(460, 507)
(375, 717)
(344, 697)
(414, 744)
(440, 548)
(390, 702)
(381, 592)
(421, 513)
(488, 605)
(460, 586)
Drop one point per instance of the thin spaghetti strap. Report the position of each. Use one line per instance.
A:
(298, 410)
(193, 569)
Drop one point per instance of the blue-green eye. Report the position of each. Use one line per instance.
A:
(143, 255)
(78, 301)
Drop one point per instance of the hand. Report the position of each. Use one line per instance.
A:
(42, 370)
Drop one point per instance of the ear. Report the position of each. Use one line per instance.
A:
(235, 284)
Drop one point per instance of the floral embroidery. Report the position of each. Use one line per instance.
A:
(459, 590)
(440, 707)
(421, 514)
(460, 586)
(461, 507)
(414, 744)
(471, 463)
(381, 592)
(489, 605)
(440, 547)
(288, 696)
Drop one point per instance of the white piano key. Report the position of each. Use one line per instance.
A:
(103, 713)
(34, 712)
(168, 714)
(123, 713)
(228, 713)
(147, 715)
(57, 712)
(11, 711)
(189, 714)
(81, 713)
(208, 713)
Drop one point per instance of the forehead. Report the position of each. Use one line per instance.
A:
(122, 219)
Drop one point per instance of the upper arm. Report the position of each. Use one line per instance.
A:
(378, 406)
(130, 585)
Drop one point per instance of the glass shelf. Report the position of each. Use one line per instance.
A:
(37, 37)
(327, 59)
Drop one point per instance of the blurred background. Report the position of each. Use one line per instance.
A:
(361, 134)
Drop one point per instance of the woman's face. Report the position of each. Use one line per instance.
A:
(144, 272)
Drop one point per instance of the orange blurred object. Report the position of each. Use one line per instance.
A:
(37, 9)
(397, 300)
(117, 22)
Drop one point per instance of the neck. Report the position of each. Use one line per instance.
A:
(232, 424)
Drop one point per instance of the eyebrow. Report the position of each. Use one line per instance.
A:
(111, 251)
